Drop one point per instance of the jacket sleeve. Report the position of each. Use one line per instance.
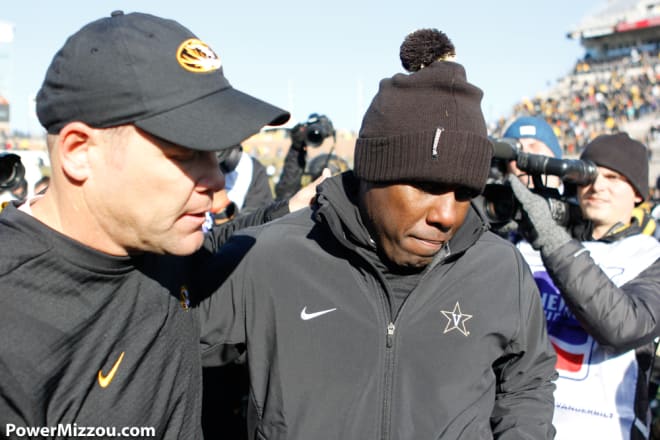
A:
(219, 234)
(524, 402)
(222, 313)
(292, 172)
(619, 318)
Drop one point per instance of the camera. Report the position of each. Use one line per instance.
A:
(501, 206)
(12, 171)
(317, 128)
(331, 161)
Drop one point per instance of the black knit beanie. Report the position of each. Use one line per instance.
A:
(624, 155)
(426, 126)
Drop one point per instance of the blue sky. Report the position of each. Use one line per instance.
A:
(325, 57)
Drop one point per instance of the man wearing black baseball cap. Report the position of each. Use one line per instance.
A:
(100, 327)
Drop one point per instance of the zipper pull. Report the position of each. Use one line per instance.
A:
(390, 334)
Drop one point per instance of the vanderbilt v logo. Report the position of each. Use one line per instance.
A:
(104, 381)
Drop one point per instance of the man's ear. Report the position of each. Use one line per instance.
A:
(73, 145)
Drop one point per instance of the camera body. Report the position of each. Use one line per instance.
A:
(501, 206)
(12, 171)
(317, 128)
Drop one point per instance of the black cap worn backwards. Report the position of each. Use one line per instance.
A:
(154, 73)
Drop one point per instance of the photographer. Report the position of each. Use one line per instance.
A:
(600, 294)
(532, 141)
(537, 137)
(310, 133)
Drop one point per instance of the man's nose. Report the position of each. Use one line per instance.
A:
(599, 183)
(212, 178)
(442, 211)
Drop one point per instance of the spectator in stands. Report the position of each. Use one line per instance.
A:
(589, 103)
(421, 323)
(98, 306)
(601, 295)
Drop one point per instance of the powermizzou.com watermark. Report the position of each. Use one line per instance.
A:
(73, 430)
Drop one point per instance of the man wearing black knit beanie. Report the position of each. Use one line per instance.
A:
(388, 310)
(600, 289)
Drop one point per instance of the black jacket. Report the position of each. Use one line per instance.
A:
(467, 355)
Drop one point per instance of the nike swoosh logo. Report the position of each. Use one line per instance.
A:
(306, 316)
(104, 381)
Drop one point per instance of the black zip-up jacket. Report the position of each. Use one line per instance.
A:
(467, 355)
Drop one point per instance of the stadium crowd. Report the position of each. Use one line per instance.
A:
(597, 98)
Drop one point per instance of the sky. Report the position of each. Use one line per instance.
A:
(324, 57)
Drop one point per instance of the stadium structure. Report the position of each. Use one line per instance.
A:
(621, 28)
(614, 86)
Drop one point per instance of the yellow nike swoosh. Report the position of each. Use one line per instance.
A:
(104, 381)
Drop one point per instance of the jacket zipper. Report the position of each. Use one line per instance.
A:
(389, 346)
(390, 334)
(389, 361)
(389, 377)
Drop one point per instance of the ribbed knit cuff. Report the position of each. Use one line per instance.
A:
(443, 156)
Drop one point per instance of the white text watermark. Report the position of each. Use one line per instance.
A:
(73, 430)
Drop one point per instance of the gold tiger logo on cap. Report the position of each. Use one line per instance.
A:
(196, 56)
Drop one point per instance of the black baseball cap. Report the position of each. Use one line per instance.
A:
(152, 72)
